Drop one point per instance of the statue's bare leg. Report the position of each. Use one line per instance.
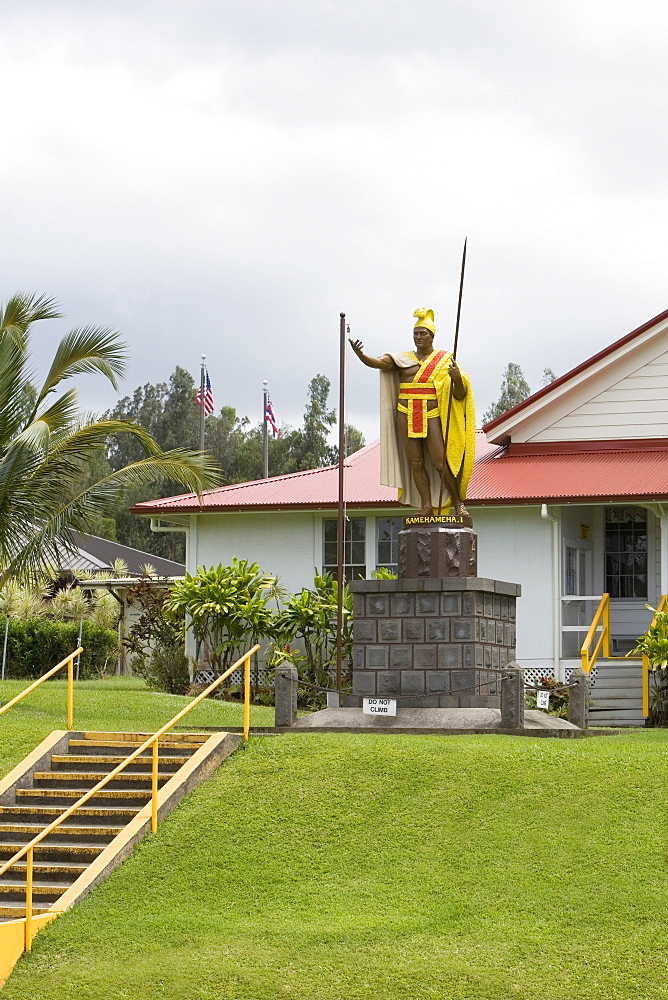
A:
(436, 453)
(414, 448)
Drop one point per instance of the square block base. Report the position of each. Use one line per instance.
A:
(432, 643)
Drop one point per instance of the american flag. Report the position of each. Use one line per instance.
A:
(208, 395)
(271, 419)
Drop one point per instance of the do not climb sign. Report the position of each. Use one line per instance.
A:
(379, 706)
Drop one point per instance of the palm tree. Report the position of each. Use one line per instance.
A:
(45, 441)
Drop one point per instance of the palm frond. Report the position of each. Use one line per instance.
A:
(84, 350)
(21, 311)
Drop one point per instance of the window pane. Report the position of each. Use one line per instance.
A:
(354, 554)
(387, 541)
(626, 548)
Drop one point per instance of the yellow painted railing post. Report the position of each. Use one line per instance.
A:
(40, 680)
(152, 742)
(28, 938)
(247, 678)
(606, 626)
(645, 685)
(70, 693)
(154, 788)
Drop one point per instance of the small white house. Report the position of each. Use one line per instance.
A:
(569, 497)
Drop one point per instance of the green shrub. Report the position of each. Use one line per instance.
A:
(558, 697)
(36, 645)
(165, 669)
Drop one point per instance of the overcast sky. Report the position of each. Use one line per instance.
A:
(227, 176)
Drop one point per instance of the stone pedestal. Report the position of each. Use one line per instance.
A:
(432, 641)
(436, 551)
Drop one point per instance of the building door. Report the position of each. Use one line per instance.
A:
(577, 604)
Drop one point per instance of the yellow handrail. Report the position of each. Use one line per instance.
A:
(646, 670)
(69, 660)
(602, 618)
(152, 742)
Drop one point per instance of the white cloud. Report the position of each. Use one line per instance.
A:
(228, 177)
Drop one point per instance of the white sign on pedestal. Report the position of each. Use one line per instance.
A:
(543, 699)
(379, 706)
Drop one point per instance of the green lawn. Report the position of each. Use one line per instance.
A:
(116, 703)
(362, 866)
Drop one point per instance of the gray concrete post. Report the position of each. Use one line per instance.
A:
(578, 698)
(512, 697)
(286, 680)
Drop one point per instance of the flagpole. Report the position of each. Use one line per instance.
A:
(340, 534)
(265, 435)
(201, 401)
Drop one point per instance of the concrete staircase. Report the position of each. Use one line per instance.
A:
(96, 838)
(616, 693)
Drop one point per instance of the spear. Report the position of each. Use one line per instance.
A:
(454, 358)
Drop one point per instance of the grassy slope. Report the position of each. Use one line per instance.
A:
(117, 703)
(337, 866)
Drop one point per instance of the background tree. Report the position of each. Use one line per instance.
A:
(309, 446)
(45, 442)
(548, 376)
(514, 389)
(169, 413)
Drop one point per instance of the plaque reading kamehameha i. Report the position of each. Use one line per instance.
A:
(438, 520)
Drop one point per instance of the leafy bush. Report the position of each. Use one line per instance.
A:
(153, 627)
(558, 697)
(312, 617)
(228, 609)
(36, 645)
(654, 645)
(165, 669)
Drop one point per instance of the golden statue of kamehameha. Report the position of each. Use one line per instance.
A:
(417, 415)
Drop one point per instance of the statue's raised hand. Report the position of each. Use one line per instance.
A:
(357, 346)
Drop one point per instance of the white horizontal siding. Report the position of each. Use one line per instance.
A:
(634, 406)
(515, 545)
(282, 543)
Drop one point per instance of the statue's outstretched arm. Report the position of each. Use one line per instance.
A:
(385, 363)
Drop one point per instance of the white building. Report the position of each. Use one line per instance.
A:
(569, 497)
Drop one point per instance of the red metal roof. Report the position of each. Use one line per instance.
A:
(595, 471)
(557, 476)
(576, 371)
(299, 490)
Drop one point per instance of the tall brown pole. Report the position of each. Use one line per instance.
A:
(201, 402)
(454, 358)
(341, 523)
(265, 432)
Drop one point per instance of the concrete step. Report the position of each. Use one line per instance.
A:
(60, 852)
(615, 717)
(136, 797)
(622, 699)
(136, 739)
(13, 911)
(61, 873)
(88, 779)
(14, 890)
(46, 814)
(182, 749)
(93, 762)
(92, 834)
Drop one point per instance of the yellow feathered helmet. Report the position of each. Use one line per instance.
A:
(425, 319)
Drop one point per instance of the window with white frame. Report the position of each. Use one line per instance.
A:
(387, 542)
(354, 547)
(626, 552)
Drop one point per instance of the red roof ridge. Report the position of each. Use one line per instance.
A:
(208, 497)
(551, 386)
